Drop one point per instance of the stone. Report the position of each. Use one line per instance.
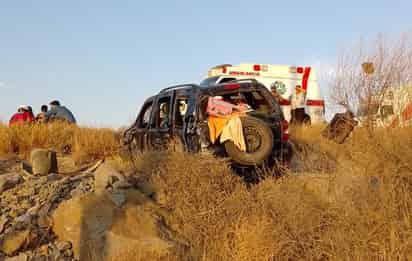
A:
(68, 253)
(43, 219)
(64, 245)
(14, 241)
(95, 222)
(105, 176)
(3, 222)
(43, 162)
(117, 198)
(20, 257)
(82, 221)
(53, 177)
(9, 181)
(67, 165)
(121, 184)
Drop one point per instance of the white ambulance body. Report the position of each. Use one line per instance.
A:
(393, 108)
(285, 78)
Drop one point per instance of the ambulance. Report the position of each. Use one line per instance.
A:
(392, 108)
(282, 77)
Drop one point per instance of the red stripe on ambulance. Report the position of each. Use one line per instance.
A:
(320, 103)
(305, 78)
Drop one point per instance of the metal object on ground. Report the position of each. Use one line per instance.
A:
(340, 127)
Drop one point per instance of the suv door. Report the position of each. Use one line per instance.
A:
(184, 119)
(160, 131)
(137, 134)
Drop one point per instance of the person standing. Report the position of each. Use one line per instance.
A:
(58, 112)
(40, 115)
(298, 105)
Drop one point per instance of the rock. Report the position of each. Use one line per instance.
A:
(8, 181)
(66, 165)
(15, 241)
(68, 253)
(43, 219)
(121, 184)
(20, 257)
(3, 222)
(105, 176)
(117, 198)
(43, 162)
(64, 245)
(94, 222)
(53, 177)
(82, 221)
(135, 229)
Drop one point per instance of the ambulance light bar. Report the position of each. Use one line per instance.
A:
(295, 69)
(260, 67)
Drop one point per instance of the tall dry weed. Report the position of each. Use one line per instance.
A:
(85, 144)
(350, 202)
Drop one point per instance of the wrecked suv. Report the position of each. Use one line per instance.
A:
(178, 115)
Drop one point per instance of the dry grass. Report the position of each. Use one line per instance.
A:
(346, 202)
(339, 202)
(86, 143)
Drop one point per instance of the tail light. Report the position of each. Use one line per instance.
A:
(285, 130)
(230, 87)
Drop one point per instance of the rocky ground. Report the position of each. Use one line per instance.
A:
(69, 216)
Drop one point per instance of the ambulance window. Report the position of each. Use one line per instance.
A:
(227, 80)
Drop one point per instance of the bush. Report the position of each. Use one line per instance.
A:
(357, 210)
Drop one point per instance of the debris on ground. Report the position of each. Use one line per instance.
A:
(340, 127)
(51, 216)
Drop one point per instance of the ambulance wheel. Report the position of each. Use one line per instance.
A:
(259, 143)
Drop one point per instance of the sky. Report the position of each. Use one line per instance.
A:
(102, 59)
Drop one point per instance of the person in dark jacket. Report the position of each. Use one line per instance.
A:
(58, 112)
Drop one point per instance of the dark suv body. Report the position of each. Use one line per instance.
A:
(177, 115)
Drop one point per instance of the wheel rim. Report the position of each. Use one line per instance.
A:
(253, 139)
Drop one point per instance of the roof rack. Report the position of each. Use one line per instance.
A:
(178, 87)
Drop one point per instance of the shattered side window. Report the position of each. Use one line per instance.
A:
(145, 115)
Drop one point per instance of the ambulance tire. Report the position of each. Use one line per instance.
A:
(259, 143)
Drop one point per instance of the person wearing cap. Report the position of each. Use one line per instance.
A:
(58, 112)
(298, 105)
(22, 115)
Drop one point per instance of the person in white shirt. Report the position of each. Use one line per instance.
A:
(298, 105)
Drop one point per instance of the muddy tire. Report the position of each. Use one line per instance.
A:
(259, 143)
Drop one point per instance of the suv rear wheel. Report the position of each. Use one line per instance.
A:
(259, 143)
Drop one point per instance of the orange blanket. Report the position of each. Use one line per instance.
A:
(216, 125)
(228, 128)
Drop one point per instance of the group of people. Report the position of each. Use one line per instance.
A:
(54, 112)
